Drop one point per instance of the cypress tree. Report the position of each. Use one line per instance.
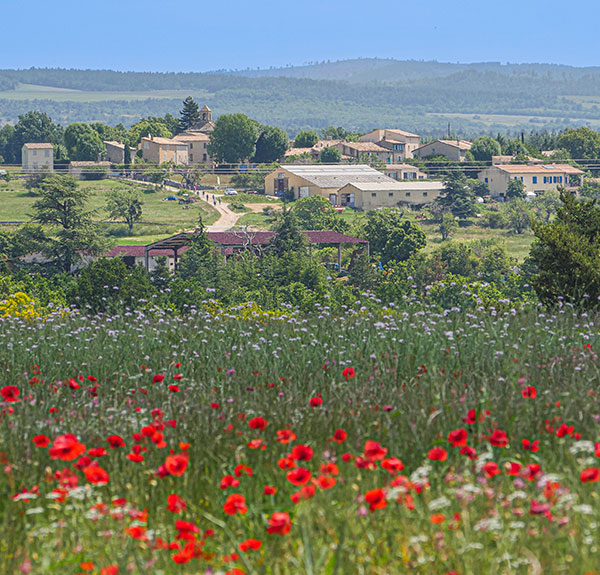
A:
(190, 114)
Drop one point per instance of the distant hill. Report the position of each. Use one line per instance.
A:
(390, 71)
(363, 94)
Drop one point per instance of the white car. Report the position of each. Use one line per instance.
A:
(230, 192)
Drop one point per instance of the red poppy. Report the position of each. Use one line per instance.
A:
(235, 503)
(305, 493)
(175, 503)
(564, 430)
(302, 453)
(229, 481)
(257, 444)
(499, 438)
(110, 570)
(458, 437)
(326, 481)
(437, 518)
(176, 464)
(316, 401)
(269, 490)
(437, 454)
(279, 523)
(491, 468)
(96, 475)
(115, 441)
(348, 373)
(258, 423)
(250, 545)
(339, 436)
(239, 469)
(186, 529)
(469, 452)
(66, 448)
(285, 436)
(174, 388)
(533, 471)
(299, 476)
(529, 392)
(373, 451)
(532, 446)
(135, 457)
(512, 468)
(158, 378)
(376, 499)
(187, 553)
(177, 377)
(286, 463)
(392, 464)
(41, 441)
(471, 418)
(590, 475)
(330, 469)
(10, 393)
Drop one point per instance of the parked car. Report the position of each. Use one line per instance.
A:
(230, 192)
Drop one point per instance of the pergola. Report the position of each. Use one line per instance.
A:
(237, 240)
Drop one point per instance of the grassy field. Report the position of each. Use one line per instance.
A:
(160, 218)
(384, 441)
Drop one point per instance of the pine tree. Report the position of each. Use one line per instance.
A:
(190, 114)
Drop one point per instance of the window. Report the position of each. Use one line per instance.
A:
(555, 179)
(204, 157)
(391, 194)
(560, 180)
(373, 194)
(521, 178)
(146, 146)
(168, 149)
(534, 179)
(47, 154)
(191, 157)
(424, 194)
(164, 156)
(191, 146)
(35, 152)
(407, 194)
(486, 180)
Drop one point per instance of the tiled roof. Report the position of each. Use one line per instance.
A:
(539, 169)
(395, 186)
(164, 141)
(35, 145)
(462, 144)
(335, 176)
(364, 146)
(120, 145)
(195, 137)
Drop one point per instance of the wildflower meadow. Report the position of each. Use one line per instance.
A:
(373, 441)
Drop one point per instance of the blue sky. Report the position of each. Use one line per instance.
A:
(162, 35)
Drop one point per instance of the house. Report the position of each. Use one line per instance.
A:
(115, 152)
(400, 142)
(37, 156)
(404, 172)
(454, 150)
(498, 160)
(157, 150)
(537, 178)
(315, 151)
(197, 143)
(228, 243)
(361, 150)
(82, 169)
(206, 124)
(300, 180)
(373, 195)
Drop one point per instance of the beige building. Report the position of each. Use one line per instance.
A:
(365, 150)
(115, 152)
(300, 180)
(537, 178)
(157, 150)
(37, 156)
(404, 172)
(497, 160)
(373, 195)
(454, 150)
(400, 142)
(197, 143)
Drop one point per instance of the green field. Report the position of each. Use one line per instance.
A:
(159, 219)
(33, 92)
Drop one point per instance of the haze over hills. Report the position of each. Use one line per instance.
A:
(391, 71)
(361, 94)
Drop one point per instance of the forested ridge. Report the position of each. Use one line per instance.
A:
(561, 96)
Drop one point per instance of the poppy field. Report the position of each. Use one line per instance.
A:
(407, 440)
